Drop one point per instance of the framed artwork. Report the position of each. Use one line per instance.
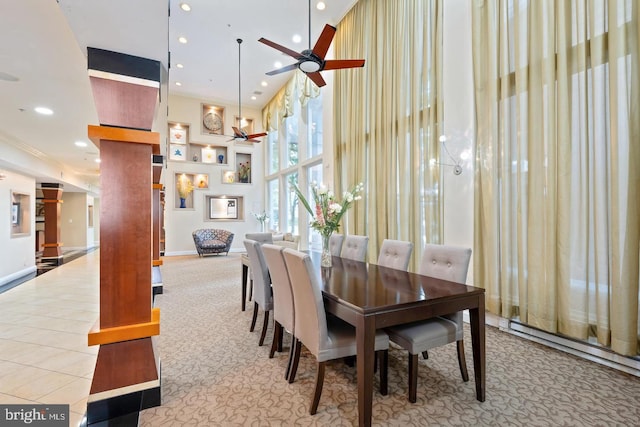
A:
(212, 120)
(201, 181)
(228, 177)
(177, 152)
(244, 124)
(209, 155)
(15, 213)
(223, 208)
(177, 135)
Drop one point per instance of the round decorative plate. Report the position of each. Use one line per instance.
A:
(212, 122)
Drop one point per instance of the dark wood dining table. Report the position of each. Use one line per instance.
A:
(371, 297)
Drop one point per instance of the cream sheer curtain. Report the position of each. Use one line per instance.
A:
(281, 105)
(385, 120)
(558, 165)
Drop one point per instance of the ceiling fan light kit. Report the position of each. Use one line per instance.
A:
(311, 61)
(240, 135)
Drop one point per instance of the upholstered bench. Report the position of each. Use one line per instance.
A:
(212, 241)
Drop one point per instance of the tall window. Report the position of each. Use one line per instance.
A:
(273, 153)
(557, 166)
(293, 151)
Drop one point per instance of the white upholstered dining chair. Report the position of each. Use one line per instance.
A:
(260, 237)
(442, 262)
(261, 284)
(354, 247)
(283, 310)
(335, 244)
(326, 337)
(395, 254)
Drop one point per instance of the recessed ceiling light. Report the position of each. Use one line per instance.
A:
(185, 7)
(179, 65)
(320, 5)
(80, 144)
(178, 84)
(98, 160)
(44, 110)
(264, 83)
(277, 64)
(253, 97)
(297, 38)
(182, 39)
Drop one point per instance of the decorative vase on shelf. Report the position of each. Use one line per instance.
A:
(325, 259)
(244, 179)
(220, 158)
(183, 202)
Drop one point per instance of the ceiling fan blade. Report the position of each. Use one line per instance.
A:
(253, 140)
(316, 78)
(324, 41)
(336, 64)
(237, 132)
(281, 48)
(256, 135)
(283, 69)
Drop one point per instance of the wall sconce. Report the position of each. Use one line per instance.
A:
(457, 169)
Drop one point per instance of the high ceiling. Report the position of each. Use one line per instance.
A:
(44, 47)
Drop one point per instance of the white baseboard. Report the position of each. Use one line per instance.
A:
(17, 275)
(179, 253)
(583, 350)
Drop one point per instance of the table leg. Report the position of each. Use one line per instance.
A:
(245, 273)
(477, 320)
(366, 336)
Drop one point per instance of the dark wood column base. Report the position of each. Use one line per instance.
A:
(126, 380)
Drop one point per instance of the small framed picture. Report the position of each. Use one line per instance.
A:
(177, 152)
(212, 120)
(223, 208)
(15, 213)
(201, 181)
(177, 135)
(208, 155)
(229, 177)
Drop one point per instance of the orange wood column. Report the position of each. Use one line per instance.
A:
(127, 374)
(125, 224)
(52, 247)
(157, 226)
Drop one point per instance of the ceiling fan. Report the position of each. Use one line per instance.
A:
(311, 61)
(238, 133)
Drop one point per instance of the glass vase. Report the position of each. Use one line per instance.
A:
(325, 260)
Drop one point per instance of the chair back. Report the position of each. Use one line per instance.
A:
(448, 263)
(260, 272)
(445, 262)
(260, 237)
(311, 319)
(395, 254)
(335, 244)
(355, 247)
(283, 310)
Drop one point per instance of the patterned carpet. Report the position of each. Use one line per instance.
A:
(214, 373)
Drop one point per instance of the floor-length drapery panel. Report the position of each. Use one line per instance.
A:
(557, 165)
(386, 120)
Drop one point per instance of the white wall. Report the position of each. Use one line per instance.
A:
(74, 221)
(17, 254)
(180, 223)
(459, 126)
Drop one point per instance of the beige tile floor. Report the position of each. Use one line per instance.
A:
(44, 357)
